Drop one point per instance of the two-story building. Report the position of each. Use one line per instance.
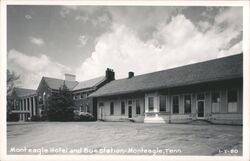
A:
(28, 102)
(80, 90)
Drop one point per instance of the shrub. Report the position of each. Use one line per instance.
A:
(61, 115)
(37, 118)
(76, 118)
(12, 117)
(84, 117)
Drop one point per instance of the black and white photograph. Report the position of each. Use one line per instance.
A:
(127, 80)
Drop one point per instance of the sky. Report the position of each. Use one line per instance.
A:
(85, 40)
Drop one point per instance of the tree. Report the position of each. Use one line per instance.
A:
(12, 78)
(60, 105)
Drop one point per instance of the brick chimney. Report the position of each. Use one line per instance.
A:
(130, 75)
(110, 74)
(70, 77)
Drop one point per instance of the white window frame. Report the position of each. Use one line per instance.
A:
(113, 110)
(172, 104)
(165, 103)
(211, 92)
(190, 102)
(237, 103)
(153, 104)
(124, 107)
(136, 107)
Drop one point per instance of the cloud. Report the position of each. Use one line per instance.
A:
(32, 68)
(28, 17)
(232, 16)
(237, 48)
(64, 11)
(101, 21)
(83, 39)
(36, 40)
(174, 43)
(204, 25)
(143, 20)
(81, 18)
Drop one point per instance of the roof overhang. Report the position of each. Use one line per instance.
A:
(168, 87)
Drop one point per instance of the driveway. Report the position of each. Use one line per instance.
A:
(123, 138)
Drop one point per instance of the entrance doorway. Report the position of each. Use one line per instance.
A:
(200, 106)
(200, 109)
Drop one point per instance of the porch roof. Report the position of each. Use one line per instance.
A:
(22, 92)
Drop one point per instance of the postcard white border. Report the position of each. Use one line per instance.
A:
(246, 87)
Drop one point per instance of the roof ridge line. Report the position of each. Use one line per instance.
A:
(214, 59)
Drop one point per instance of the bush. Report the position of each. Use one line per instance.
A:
(37, 118)
(61, 115)
(76, 118)
(84, 117)
(12, 117)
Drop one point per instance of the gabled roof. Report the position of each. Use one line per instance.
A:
(21, 92)
(89, 83)
(218, 69)
(54, 83)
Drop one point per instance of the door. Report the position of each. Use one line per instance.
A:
(100, 113)
(200, 111)
(129, 111)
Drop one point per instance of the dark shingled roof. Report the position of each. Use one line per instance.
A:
(21, 92)
(89, 83)
(218, 69)
(54, 83)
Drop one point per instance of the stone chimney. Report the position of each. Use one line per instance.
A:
(110, 74)
(70, 77)
(130, 75)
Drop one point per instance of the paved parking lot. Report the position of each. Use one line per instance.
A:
(123, 138)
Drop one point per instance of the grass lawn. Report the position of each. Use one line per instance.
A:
(172, 139)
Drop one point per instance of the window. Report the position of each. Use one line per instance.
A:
(122, 107)
(88, 108)
(163, 103)
(232, 100)
(44, 97)
(215, 102)
(111, 108)
(138, 108)
(200, 96)
(83, 95)
(130, 102)
(151, 103)
(84, 109)
(101, 104)
(232, 96)
(187, 104)
(175, 104)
